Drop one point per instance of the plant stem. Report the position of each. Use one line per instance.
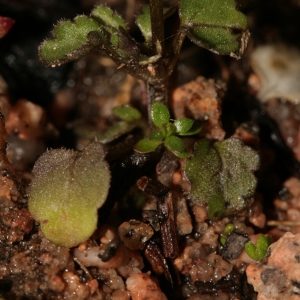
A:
(157, 88)
(157, 24)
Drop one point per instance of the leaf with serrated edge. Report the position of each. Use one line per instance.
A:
(215, 25)
(66, 192)
(147, 145)
(221, 174)
(106, 17)
(71, 41)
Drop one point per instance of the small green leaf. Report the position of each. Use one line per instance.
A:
(127, 113)
(251, 250)
(223, 240)
(228, 228)
(71, 41)
(147, 145)
(66, 192)
(156, 134)
(215, 25)
(262, 242)
(160, 114)
(106, 17)
(193, 130)
(143, 21)
(260, 253)
(221, 175)
(175, 143)
(115, 131)
(176, 146)
(183, 125)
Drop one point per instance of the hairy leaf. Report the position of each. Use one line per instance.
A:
(215, 25)
(67, 189)
(160, 114)
(144, 23)
(71, 41)
(127, 113)
(106, 17)
(221, 175)
(147, 145)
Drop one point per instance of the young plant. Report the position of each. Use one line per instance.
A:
(215, 25)
(227, 230)
(166, 132)
(258, 251)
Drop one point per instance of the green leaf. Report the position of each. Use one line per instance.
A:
(160, 114)
(106, 17)
(215, 25)
(228, 228)
(71, 41)
(262, 242)
(127, 113)
(251, 250)
(176, 146)
(115, 131)
(156, 134)
(183, 125)
(66, 192)
(260, 253)
(143, 21)
(193, 130)
(221, 175)
(147, 145)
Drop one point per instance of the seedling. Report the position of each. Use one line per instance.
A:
(258, 251)
(227, 230)
(166, 132)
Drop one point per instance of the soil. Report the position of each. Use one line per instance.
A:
(151, 242)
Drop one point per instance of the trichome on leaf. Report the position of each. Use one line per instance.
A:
(67, 189)
(221, 176)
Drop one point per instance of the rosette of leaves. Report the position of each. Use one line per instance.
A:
(129, 119)
(221, 176)
(66, 192)
(258, 251)
(166, 132)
